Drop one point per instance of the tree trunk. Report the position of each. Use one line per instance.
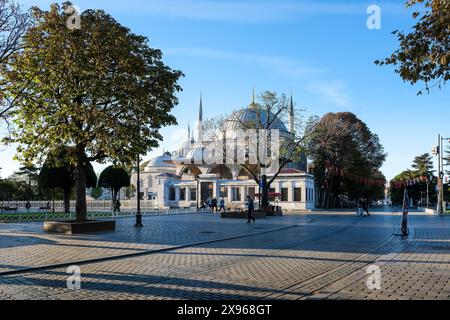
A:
(67, 200)
(264, 193)
(114, 199)
(80, 184)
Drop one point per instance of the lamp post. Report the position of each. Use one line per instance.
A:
(440, 151)
(138, 223)
(196, 193)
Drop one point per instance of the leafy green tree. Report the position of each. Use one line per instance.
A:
(114, 179)
(447, 160)
(30, 172)
(96, 192)
(54, 176)
(424, 52)
(7, 190)
(423, 165)
(99, 90)
(343, 141)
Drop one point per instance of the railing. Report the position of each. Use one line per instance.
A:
(60, 216)
(92, 205)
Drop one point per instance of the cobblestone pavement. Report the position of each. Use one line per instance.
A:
(279, 258)
(26, 245)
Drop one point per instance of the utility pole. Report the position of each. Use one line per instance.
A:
(440, 209)
(441, 190)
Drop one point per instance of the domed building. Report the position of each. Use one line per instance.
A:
(185, 178)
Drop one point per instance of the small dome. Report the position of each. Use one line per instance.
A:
(162, 161)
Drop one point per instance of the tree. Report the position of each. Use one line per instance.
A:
(96, 192)
(7, 190)
(13, 24)
(61, 175)
(268, 112)
(99, 90)
(424, 53)
(423, 165)
(30, 172)
(114, 179)
(447, 160)
(342, 143)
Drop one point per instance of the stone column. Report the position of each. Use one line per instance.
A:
(188, 194)
(243, 194)
(177, 194)
(291, 187)
(303, 186)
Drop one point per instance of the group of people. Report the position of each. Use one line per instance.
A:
(211, 203)
(362, 206)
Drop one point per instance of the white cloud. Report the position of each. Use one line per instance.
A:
(287, 66)
(331, 91)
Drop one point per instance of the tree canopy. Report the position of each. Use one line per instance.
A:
(346, 156)
(424, 53)
(422, 166)
(61, 174)
(99, 90)
(114, 178)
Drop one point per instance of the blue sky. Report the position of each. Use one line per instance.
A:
(322, 51)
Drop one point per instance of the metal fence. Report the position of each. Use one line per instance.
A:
(61, 216)
(58, 206)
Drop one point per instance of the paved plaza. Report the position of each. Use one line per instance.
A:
(319, 255)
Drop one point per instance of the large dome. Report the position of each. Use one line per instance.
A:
(163, 161)
(251, 117)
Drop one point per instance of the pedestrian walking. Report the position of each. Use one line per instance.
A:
(250, 209)
(359, 210)
(214, 204)
(209, 204)
(28, 206)
(365, 206)
(405, 211)
(222, 204)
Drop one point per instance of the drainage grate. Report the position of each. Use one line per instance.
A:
(207, 232)
(259, 228)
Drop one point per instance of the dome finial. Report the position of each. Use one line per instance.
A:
(253, 104)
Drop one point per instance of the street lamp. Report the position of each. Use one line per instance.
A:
(138, 223)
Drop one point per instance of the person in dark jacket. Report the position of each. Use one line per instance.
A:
(251, 209)
(214, 204)
(365, 206)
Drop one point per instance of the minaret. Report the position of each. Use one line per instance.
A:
(200, 122)
(291, 116)
(189, 132)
